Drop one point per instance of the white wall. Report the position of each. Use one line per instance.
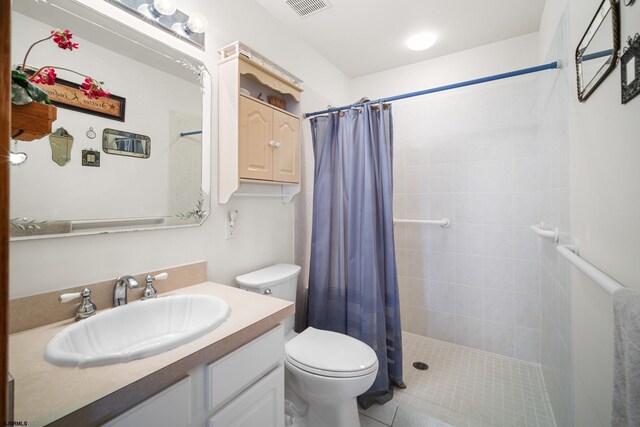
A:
(264, 227)
(604, 206)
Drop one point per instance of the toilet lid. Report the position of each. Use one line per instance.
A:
(330, 354)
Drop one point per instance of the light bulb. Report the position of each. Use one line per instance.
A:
(164, 7)
(197, 23)
(157, 9)
(17, 158)
(422, 41)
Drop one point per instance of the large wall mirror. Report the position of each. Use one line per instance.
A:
(168, 101)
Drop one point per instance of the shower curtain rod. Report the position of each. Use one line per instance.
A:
(549, 66)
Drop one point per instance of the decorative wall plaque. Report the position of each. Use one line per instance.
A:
(66, 94)
(91, 158)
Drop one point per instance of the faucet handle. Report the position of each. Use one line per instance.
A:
(69, 297)
(86, 308)
(149, 290)
(161, 276)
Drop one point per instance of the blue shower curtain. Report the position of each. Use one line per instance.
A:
(353, 282)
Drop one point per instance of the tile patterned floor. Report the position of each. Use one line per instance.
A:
(463, 387)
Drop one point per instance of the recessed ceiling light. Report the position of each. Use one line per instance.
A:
(422, 41)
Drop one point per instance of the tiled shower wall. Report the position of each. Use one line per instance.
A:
(470, 155)
(554, 90)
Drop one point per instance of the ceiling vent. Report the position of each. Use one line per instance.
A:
(305, 8)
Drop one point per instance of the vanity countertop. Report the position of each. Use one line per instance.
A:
(47, 394)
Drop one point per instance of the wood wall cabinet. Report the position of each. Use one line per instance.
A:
(258, 143)
(268, 143)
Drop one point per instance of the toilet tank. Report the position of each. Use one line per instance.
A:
(279, 280)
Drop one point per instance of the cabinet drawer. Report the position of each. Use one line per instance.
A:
(169, 408)
(260, 406)
(237, 371)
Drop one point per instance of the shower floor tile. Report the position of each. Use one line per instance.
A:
(465, 387)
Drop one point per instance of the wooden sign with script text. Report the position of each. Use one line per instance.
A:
(69, 95)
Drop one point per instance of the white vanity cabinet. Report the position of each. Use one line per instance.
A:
(170, 407)
(262, 405)
(243, 389)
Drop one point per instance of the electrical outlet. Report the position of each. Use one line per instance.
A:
(230, 229)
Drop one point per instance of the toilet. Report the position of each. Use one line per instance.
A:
(325, 371)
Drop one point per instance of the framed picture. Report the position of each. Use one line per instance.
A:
(69, 95)
(630, 69)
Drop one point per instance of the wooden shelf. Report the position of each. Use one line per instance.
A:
(253, 98)
(32, 121)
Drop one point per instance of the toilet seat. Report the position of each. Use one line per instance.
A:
(330, 354)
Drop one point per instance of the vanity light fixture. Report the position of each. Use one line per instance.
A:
(196, 24)
(422, 41)
(165, 15)
(157, 9)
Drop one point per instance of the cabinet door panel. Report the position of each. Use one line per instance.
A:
(286, 158)
(228, 377)
(169, 408)
(262, 405)
(256, 131)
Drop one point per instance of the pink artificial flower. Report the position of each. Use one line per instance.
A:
(63, 39)
(46, 76)
(93, 89)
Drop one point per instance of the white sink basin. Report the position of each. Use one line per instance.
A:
(136, 330)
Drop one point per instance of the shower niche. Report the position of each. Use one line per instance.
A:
(259, 105)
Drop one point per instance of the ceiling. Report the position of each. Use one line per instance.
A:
(366, 36)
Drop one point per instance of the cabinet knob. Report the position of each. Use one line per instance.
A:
(274, 144)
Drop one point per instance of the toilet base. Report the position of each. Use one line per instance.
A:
(343, 414)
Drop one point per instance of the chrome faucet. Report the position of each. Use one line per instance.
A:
(120, 289)
(86, 308)
(149, 290)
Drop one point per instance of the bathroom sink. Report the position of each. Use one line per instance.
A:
(136, 330)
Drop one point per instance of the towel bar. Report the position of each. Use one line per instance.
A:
(444, 222)
(608, 284)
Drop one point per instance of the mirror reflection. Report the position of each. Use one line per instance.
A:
(126, 143)
(597, 53)
(61, 143)
(167, 94)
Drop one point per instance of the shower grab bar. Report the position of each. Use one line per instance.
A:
(572, 253)
(444, 222)
(548, 234)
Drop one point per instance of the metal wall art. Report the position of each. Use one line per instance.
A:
(630, 69)
(91, 158)
(597, 52)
